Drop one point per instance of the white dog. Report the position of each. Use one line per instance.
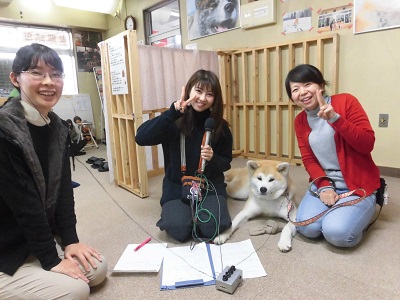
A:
(268, 188)
(213, 16)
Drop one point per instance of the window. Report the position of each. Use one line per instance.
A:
(162, 25)
(15, 36)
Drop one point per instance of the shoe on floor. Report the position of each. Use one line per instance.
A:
(103, 168)
(93, 159)
(75, 184)
(97, 164)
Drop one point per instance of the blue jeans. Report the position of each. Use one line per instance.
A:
(342, 227)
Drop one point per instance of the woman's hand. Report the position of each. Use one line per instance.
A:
(182, 103)
(84, 254)
(206, 152)
(326, 111)
(71, 268)
(329, 197)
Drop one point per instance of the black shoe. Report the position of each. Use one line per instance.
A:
(103, 168)
(97, 164)
(92, 159)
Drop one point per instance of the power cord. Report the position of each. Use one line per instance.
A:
(209, 186)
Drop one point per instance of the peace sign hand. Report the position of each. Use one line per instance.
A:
(326, 111)
(182, 103)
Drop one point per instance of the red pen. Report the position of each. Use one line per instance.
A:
(143, 243)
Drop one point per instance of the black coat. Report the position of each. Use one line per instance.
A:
(31, 212)
(163, 130)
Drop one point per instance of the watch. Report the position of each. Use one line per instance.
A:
(130, 23)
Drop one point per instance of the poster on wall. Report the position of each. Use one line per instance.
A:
(207, 17)
(297, 21)
(336, 18)
(372, 15)
(116, 52)
(87, 49)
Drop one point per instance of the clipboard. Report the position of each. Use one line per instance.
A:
(184, 267)
(180, 264)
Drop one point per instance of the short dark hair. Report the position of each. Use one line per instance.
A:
(77, 118)
(28, 57)
(304, 73)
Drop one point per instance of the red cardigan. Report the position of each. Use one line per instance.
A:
(354, 140)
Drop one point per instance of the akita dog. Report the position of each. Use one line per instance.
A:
(268, 188)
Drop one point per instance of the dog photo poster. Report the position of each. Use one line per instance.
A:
(207, 17)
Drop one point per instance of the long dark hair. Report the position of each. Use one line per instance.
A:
(304, 73)
(209, 81)
(28, 57)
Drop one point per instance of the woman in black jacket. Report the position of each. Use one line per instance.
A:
(36, 198)
(183, 215)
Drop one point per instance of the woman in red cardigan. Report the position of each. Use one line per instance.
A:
(335, 139)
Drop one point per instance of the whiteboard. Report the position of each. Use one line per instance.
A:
(77, 105)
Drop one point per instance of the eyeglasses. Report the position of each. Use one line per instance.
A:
(37, 75)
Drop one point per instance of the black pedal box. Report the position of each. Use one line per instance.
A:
(229, 279)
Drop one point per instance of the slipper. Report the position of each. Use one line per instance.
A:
(103, 168)
(75, 184)
(97, 164)
(93, 159)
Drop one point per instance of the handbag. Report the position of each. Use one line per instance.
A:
(381, 199)
(380, 193)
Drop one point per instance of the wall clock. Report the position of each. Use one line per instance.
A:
(130, 23)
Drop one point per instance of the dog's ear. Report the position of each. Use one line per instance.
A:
(252, 166)
(283, 168)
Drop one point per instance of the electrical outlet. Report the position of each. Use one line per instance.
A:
(383, 120)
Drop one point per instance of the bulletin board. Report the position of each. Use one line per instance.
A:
(77, 105)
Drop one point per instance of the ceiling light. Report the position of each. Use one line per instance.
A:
(101, 6)
(174, 13)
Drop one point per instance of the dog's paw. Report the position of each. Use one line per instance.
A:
(222, 238)
(284, 246)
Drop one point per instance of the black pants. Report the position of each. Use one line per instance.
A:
(177, 220)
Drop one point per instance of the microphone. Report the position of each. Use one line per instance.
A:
(209, 126)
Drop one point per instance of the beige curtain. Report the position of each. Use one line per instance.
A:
(163, 72)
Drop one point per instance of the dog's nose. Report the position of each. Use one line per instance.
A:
(229, 7)
(263, 190)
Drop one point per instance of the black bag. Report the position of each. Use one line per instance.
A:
(380, 199)
(380, 193)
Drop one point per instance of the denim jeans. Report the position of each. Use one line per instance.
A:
(342, 227)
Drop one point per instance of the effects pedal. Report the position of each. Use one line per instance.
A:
(229, 279)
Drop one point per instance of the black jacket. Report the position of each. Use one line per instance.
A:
(163, 130)
(31, 213)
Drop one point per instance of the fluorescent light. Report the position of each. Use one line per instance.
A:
(174, 13)
(101, 6)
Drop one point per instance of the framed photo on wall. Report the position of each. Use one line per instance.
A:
(372, 15)
(87, 49)
(207, 17)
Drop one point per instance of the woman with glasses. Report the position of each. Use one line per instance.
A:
(41, 256)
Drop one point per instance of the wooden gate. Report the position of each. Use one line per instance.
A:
(257, 107)
(124, 117)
